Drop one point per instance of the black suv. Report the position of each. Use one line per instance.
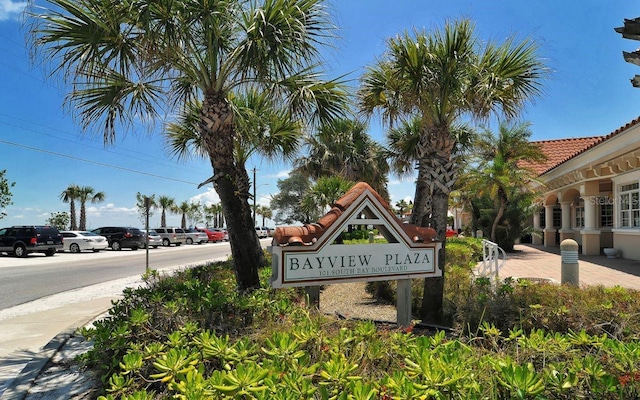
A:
(121, 237)
(20, 240)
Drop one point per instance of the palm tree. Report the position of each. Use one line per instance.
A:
(87, 193)
(503, 166)
(129, 61)
(327, 190)
(402, 206)
(440, 77)
(184, 208)
(165, 203)
(344, 148)
(70, 195)
(213, 214)
(265, 213)
(403, 152)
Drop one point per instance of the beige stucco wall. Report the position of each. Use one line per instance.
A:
(628, 245)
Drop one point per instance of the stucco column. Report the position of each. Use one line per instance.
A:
(565, 231)
(590, 233)
(536, 238)
(549, 230)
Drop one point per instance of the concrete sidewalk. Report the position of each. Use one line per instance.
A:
(51, 374)
(529, 261)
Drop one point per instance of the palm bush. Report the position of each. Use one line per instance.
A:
(193, 335)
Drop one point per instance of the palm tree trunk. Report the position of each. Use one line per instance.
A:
(437, 174)
(72, 211)
(496, 220)
(422, 199)
(232, 185)
(163, 218)
(83, 216)
(433, 289)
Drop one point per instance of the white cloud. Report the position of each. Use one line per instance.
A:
(284, 174)
(10, 9)
(208, 198)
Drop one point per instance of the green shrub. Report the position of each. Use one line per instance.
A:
(192, 336)
(462, 253)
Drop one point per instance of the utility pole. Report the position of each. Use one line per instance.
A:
(147, 205)
(254, 196)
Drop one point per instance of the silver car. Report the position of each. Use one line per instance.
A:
(154, 239)
(195, 236)
(171, 235)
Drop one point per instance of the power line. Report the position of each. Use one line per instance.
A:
(148, 157)
(95, 162)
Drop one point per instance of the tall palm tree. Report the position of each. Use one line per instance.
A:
(165, 203)
(402, 206)
(70, 195)
(503, 168)
(183, 208)
(344, 148)
(327, 190)
(213, 213)
(403, 154)
(87, 193)
(142, 60)
(441, 77)
(265, 213)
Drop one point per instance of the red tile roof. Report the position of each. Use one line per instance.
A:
(310, 232)
(560, 151)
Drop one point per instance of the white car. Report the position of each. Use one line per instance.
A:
(262, 232)
(77, 241)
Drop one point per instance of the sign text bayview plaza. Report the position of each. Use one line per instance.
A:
(313, 254)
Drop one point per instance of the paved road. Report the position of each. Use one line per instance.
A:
(26, 328)
(27, 279)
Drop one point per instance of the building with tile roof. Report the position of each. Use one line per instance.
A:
(591, 192)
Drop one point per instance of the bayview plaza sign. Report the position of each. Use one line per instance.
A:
(352, 261)
(313, 254)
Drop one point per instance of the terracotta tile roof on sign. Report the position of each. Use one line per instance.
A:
(309, 233)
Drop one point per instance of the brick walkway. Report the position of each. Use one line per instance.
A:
(529, 261)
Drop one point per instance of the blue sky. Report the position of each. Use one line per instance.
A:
(588, 93)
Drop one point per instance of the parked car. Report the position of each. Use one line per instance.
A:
(171, 235)
(122, 237)
(155, 240)
(21, 240)
(224, 232)
(196, 236)
(213, 235)
(77, 241)
(262, 232)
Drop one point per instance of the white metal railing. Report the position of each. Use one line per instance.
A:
(493, 258)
